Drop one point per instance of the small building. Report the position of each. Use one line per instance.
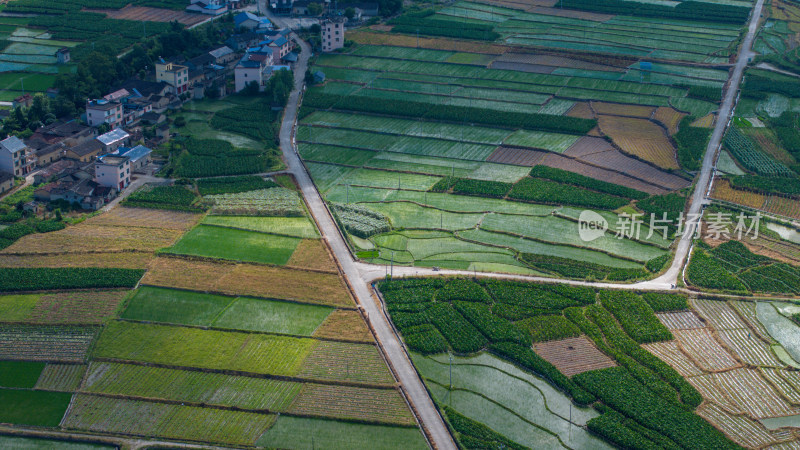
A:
(85, 151)
(282, 47)
(114, 139)
(50, 154)
(319, 77)
(139, 156)
(175, 75)
(56, 170)
(15, 157)
(6, 182)
(332, 35)
(103, 111)
(209, 7)
(113, 171)
(162, 132)
(24, 101)
(253, 68)
(246, 20)
(62, 55)
(222, 55)
(281, 7)
(34, 207)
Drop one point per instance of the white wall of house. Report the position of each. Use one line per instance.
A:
(117, 175)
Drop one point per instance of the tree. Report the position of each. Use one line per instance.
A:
(251, 88)
(314, 9)
(350, 13)
(309, 77)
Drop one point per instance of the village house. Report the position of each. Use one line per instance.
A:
(6, 182)
(281, 7)
(49, 154)
(85, 151)
(113, 171)
(56, 170)
(222, 55)
(103, 111)
(69, 133)
(175, 75)
(24, 101)
(62, 55)
(15, 157)
(255, 67)
(332, 35)
(114, 139)
(249, 21)
(139, 156)
(209, 7)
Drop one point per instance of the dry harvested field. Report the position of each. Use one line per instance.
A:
(142, 13)
(524, 157)
(706, 352)
(353, 403)
(641, 138)
(61, 377)
(146, 218)
(45, 343)
(670, 353)
(573, 356)
(618, 109)
(581, 110)
(718, 314)
(668, 117)
(78, 307)
(706, 121)
(741, 429)
(682, 320)
(598, 152)
(312, 254)
(346, 325)
(122, 260)
(248, 279)
(84, 238)
(337, 361)
(399, 40)
(724, 191)
(753, 394)
(780, 250)
(783, 206)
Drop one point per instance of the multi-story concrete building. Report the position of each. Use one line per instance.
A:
(113, 171)
(15, 157)
(332, 35)
(175, 75)
(103, 111)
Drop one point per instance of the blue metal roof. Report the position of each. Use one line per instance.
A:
(136, 153)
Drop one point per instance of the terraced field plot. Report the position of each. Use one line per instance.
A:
(574, 355)
(191, 308)
(64, 307)
(45, 343)
(236, 245)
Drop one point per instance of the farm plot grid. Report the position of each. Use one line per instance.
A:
(667, 39)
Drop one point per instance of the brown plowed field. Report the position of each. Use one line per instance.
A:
(573, 356)
(776, 205)
(142, 13)
(581, 110)
(641, 138)
(553, 61)
(706, 352)
(618, 109)
(614, 159)
(706, 121)
(669, 117)
(401, 40)
(523, 157)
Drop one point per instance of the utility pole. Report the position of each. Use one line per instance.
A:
(391, 270)
(450, 356)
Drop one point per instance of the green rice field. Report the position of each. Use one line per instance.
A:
(300, 227)
(153, 304)
(306, 433)
(239, 245)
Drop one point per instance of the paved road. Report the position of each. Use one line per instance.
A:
(393, 349)
(704, 181)
(361, 275)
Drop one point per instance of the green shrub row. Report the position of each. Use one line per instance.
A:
(495, 328)
(461, 114)
(566, 177)
(635, 315)
(687, 10)
(619, 390)
(611, 426)
(704, 271)
(657, 205)
(542, 296)
(549, 192)
(34, 279)
(464, 290)
(571, 268)
(256, 121)
(460, 334)
(692, 143)
(549, 328)
(657, 264)
(233, 185)
(665, 302)
(734, 255)
(163, 197)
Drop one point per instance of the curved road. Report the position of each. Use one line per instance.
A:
(361, 275)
